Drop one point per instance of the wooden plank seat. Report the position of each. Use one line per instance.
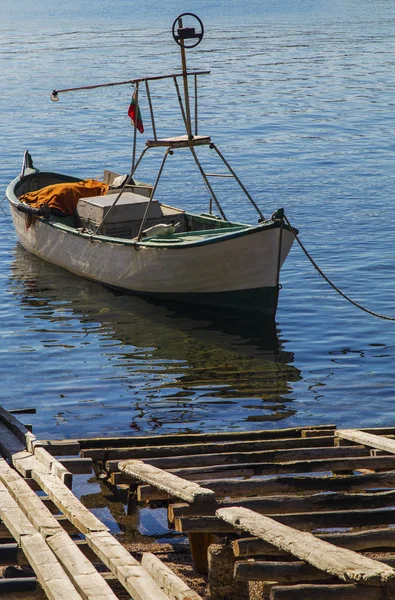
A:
(180, 141)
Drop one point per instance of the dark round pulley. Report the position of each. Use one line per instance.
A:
(182, 34)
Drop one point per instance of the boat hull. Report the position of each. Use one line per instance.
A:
(238, 272)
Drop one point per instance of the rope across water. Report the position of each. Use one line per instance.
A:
(370, 312)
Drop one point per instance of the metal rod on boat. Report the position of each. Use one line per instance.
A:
(185, 80)
(55, 93)
(139, 161)
(212, 145)
(184, 117)
(190, 144)
(151, 110)
(196, 105)
(168, 151)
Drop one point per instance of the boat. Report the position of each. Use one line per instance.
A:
(116, 232)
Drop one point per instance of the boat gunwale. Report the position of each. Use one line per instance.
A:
(246, 229)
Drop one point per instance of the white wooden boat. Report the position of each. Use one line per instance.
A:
(207, 260)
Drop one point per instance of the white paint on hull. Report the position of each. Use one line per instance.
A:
(245, 262)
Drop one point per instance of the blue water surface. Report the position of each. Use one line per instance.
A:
(301, 101)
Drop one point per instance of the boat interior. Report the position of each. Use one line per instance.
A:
(100, 215)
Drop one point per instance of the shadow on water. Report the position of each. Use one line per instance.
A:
(170, 368)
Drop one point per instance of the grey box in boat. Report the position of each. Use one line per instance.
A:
(125, 217)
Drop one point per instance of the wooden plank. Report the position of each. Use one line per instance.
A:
(325, 592)
(59, 447)
(17, 428)
(53, 465)
(84, 576)
(281, 572)
(127, 569)
(65, 500)
(279, 455)
(169, 582)
(308, 466)
(193, 438)
(161, 451)
(17, 584)
(77, 466)
(303, 521)
(49, 572)
(338, 562)
(367, 439)
(190, 492)
(291, 504)
(234, 488)
(360, 540)
(10, 444)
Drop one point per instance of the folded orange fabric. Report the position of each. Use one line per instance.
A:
(64, 196)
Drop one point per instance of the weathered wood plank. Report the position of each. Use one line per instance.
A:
(303, 521)
(367, 439)
(372, 539)
(325, 592)
(190, 492)
(338, 562)
(255, 469)
(207, 448)
(17, 584)
(18, 428)
(49, 572)
(53, 465)
(84, 576)
(281, 572)
(183, 438)
(234, 488)
(280, 455)
(169, 582)
(59, 447)
(65, 500)
(127, 569)
(291, 504)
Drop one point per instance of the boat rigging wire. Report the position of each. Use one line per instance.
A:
(338, 290)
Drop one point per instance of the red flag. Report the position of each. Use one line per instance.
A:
(132, 114)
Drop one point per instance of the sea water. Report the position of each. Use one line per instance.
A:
(301, 100)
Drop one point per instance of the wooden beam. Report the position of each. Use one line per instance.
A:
(87, 581)
(49, 572)
(303, 521)
(235, 488)
(291, 504)
(225, 458)
(325, 592)
(128, 570)
(169, 582)
(17, 428)
(367, 439)
(255, 469)
(360, 540)
(59, 447)
(193, 438)
(281, 572)
(338, 562)
(206, 448)
(17, 584)
(65, 500)
(190, 492)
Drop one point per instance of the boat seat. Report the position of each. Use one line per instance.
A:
(179, 142)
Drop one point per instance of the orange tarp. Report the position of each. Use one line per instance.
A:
(64, 196)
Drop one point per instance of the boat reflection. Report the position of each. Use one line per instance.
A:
(170, 368)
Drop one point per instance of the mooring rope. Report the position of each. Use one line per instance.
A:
(338, 290)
